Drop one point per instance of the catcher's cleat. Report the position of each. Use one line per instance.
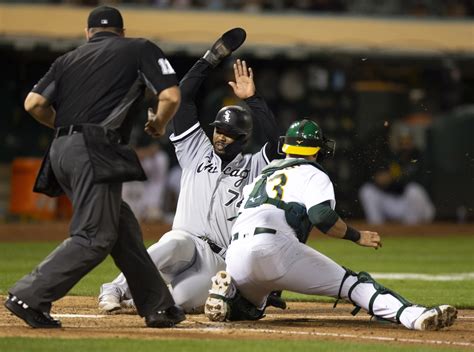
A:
(436, 318)
(225, 45)
(274, 300)
(110, 298)
(216, 307)
(32, 317)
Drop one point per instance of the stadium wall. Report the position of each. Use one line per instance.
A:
(276, 30)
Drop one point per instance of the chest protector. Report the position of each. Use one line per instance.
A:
(295, 214)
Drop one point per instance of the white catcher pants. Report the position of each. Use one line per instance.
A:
(264, 263)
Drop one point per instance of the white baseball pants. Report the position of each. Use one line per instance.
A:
(263, 263)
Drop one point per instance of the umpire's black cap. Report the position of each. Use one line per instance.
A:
(105, 16)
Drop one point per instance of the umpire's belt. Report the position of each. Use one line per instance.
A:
(67, 130)
(214, 247)
(72, 129)
(257, 231)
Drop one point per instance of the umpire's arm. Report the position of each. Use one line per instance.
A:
(38, 102)
(168, 103)
(40, 108)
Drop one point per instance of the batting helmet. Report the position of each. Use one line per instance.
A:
(234, 119)
(305, 138)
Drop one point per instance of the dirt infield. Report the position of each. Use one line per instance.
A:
(314, 321)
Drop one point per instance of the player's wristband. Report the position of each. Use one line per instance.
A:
(352, 234)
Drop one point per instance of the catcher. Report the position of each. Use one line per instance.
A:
(286, 200)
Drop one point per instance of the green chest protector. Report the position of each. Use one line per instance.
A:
(295, 214)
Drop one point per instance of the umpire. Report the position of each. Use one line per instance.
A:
(86, 96)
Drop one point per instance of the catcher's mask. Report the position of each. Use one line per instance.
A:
(305, 138)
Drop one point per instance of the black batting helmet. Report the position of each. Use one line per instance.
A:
(234, 119)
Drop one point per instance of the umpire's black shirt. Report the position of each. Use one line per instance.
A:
(103, 78)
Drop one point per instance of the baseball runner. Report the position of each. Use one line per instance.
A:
(213, 177)
(290, 197)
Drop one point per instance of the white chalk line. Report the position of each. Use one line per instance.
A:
(424, 277)
(85, 316)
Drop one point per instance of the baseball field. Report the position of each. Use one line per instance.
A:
(429, 265)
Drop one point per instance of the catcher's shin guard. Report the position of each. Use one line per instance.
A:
(364, 292)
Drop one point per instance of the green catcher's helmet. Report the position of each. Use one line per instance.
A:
(305, 138)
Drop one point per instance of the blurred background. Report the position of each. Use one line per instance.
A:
(392, 81)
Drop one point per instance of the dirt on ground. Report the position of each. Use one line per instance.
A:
(301, 320)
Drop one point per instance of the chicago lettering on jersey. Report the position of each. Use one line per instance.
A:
(242, 174)
(208, 166)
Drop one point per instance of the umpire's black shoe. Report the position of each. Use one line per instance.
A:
(32, 317)
(274, 300)
(225, 45)
(165, 318)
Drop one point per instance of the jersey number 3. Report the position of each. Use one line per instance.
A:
(278, 181)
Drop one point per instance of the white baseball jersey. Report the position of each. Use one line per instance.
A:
(304, 184)
(210, 196)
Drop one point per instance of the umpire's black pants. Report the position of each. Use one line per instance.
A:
(102, 224)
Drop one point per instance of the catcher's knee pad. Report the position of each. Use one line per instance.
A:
(241, 309)
(374, 292)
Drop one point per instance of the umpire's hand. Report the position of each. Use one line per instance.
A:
(153, 126)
